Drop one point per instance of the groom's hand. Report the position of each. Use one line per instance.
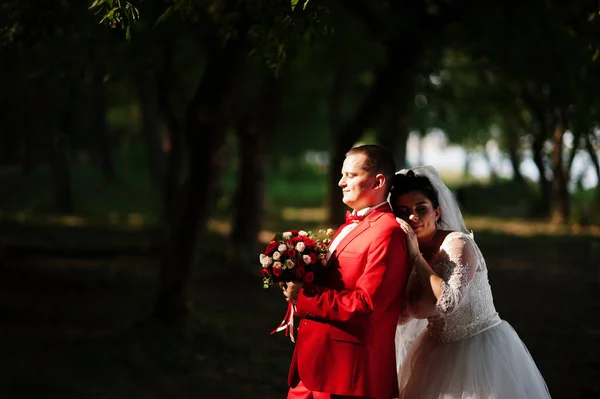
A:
(290, 291)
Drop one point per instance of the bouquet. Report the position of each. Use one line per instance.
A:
(294, 256)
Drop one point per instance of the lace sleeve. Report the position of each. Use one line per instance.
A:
(458, 269)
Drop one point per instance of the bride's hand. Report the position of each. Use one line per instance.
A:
(412, 244)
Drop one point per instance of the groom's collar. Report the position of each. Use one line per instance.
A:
(365, 211)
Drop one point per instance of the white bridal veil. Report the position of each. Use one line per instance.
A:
(450, 214)
(452, 219)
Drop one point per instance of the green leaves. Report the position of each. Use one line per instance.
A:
(115, 13)
(294, 3)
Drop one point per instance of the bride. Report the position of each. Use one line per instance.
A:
(466, 351)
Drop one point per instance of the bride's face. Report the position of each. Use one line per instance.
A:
(416, 209)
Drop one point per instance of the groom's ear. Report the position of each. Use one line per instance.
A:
(379, 181)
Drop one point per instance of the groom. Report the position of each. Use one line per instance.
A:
(345, 346)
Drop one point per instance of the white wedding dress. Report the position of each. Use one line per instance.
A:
(466, 351)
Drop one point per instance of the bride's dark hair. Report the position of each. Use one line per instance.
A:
(410, 182)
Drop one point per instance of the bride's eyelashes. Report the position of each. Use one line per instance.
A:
(404, 213)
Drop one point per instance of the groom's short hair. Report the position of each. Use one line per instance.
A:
(378, 160)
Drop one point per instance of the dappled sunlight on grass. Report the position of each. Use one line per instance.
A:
(522, 227)
(127, 220)
(306, 218)
(136, 219)
(513, 226)
(265, 236)
(304, 214)
(219, 226)
(69, 221)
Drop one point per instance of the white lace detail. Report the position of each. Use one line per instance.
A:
(466, 305)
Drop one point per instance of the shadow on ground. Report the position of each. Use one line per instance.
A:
(73, 327)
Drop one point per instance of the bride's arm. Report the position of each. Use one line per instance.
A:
(421, 275)
(420, 303)
(426, 277)
(462, 260)
(439, 294)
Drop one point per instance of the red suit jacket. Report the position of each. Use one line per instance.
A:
(345, 342)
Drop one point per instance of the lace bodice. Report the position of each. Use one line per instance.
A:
(466, 306)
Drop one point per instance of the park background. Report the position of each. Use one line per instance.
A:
(148, 149)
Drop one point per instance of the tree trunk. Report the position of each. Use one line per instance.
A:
(248, 209)
(544, 184)
(147, 88)
(28, 160)
(573, 152)
(102, 150)
(35, 119)
(593, 153)
(467, 165)
(560, 191)
(488, 160)
(513, 147)
(170, 101)
(393, 135)
(60, 149)
(393, 78)
(402, 142)
(250, 192)
(205, 130)
(335, 205)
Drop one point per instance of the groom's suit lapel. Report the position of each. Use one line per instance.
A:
(361, 228)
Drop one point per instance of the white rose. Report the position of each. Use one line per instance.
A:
(277, 264)
(306, 259)
(282, 247)
(300, 247)
(276, 255)
(302, 233)
(261, 257)
(287, 235)
(289, 263)
(266, 261)
(329, 232)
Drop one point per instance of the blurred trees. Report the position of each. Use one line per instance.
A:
(279, 81)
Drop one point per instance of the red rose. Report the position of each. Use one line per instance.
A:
(277, 271)
(271, 247)
(309, 277)
(313, 259)
(309, 242)
(300, 272)
(289, 243)
(291, 252)
(265, 272)
(294, 232)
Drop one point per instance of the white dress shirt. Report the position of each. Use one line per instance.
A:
(349, 227)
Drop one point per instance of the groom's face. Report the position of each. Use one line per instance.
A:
(358, 186)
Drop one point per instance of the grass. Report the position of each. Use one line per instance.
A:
(74, 327)
(72, 332)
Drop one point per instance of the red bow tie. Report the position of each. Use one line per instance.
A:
(353, 218)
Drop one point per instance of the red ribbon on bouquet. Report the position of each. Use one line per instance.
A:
(287, 324)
